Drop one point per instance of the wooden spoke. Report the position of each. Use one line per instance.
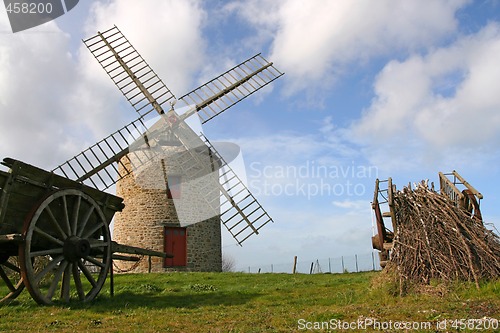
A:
(95, 261)
(6, 279)
(93, 230)
(47, 252)
(66, 215)
(11, 276)
(65, 288)
(87, 274)
(53, 258)
(11, 266)
(47, 236)
(38, 277)
(78, 282)
(76, 211)
(55, 281)
(85, 221)
(54, 223)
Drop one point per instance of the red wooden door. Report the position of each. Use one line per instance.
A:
(176, 244)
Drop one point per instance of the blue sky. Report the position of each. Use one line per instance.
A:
(372, 89)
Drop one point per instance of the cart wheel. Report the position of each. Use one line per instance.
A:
(67, 248)
(11, 276)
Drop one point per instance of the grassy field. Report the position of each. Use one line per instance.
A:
(238, 302)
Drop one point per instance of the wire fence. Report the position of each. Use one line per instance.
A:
(343, 264)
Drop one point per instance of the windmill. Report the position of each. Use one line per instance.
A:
(159, 160)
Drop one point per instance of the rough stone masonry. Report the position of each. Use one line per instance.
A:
(148, 209)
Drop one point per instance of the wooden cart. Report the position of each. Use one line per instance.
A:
(54, 235)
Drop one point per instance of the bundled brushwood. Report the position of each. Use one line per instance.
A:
(437, 239)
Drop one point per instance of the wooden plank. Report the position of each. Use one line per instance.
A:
(26, 192)
(44, 179)
(447, 187)
(4, 176)
(375, 193)
(14, 221)
(390, 202)
(20, 200)
(466, 184)
(4, 195)
(25, 186)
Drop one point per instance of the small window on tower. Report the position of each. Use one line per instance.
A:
(174, 187)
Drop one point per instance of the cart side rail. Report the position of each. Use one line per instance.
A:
(48, 180)
(24, 186)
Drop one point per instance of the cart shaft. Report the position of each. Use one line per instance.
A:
(120, 248)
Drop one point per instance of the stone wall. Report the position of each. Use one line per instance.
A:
(148, 210)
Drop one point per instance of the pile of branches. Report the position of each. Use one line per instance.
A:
(436, 239)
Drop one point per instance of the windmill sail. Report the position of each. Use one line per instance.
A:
(128, 70)
(219, 94)
(146, 92)
(241, 213)
(217, 189)
(98, 165)
(222, 192)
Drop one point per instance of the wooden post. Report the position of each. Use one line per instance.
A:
(149, 264)
(294, 265)
(111, 280)
(312, 267)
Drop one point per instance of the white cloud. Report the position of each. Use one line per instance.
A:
(325, 143)
(352, 205)
(313, 40)
(166, 33)
(56, 101)
(439, 104)
(36, 75)
(169, 39)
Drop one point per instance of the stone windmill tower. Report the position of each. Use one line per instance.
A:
(177, 188)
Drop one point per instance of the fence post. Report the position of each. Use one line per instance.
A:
(331, 265)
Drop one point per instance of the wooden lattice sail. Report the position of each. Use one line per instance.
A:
(99, 165)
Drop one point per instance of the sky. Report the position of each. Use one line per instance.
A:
(372, 89)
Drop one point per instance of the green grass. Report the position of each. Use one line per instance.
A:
(238, 302)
